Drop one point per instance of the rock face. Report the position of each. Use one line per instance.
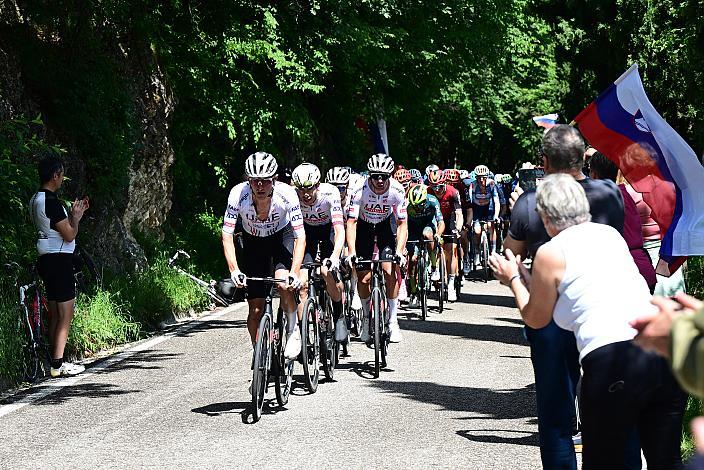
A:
(151, 183)
(109, 231)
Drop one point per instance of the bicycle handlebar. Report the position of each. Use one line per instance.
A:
(268, 280)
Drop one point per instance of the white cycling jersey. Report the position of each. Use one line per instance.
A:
(284, 209)
(373, 208)
(325, 209)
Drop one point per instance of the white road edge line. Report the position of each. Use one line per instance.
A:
(56, 385)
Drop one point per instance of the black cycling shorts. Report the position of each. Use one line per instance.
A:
(364, 241)
(482, 213)
(56, 270)
(318, 237)
(262, 256)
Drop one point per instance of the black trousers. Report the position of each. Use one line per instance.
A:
(625, 387)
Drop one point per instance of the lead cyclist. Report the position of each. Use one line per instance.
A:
(272, 237)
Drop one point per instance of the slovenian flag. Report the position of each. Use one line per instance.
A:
(548, 121)
(623, 125)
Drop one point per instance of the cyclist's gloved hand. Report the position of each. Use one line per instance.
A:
(401, 259)
(333, 264)
(239, 278)
(293, 281)
(351, 260)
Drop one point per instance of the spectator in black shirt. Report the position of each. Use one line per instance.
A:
(56, 233)
(554, 350)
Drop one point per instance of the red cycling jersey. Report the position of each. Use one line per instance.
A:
(449, 202)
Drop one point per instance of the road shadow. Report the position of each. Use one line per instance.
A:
(515, 321)
(212, 325)
(81, 390)
(487, 299)
(243, 408)
(523, 438)
(496, 333)
(516, 403)
(364, 369)
(143, 360)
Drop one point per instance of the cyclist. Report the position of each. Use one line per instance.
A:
(346, 182)
(403, 176)
(272, 238)
(424, 222)
(451, 208)
(324, 227)
(485, 205)
(56, 231)
(372, 207)
(416, 176)
(454, 178)
(428, 169)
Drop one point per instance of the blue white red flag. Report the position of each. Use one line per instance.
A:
(547, 121)
(623, 125)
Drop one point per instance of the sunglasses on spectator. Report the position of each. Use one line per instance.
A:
(381, 177)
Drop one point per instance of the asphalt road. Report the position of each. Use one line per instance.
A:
(458, 394)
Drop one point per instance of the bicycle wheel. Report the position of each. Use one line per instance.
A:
(421, 275)
(485, 255)
(31, 362)
(260, 372)
(377, 319)
(441, 284)
(310, 344)
(284, 368)
(329, 348)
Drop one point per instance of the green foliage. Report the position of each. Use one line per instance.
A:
(21, 146)
(694, 408)
(10, 338)
(694, 276)
(155, 294)
(101, 321)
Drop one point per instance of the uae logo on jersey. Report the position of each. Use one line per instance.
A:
(377, 208)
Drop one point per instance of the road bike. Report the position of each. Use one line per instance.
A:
(222, 293)
(33, 322)
(379, 310)
(483, 250)
(422, 274)
(269, 359)
(441, 284)
(353, 316)
(460, 258)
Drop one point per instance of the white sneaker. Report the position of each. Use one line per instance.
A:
(364, 335)
(356, 302)
(341, 329)
(451, 294)
(435, 276)
(396, 336)
(293, 345)
(67, 369)
(413, 303)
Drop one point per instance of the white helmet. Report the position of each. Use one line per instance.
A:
(380, 163)
(430, 168)
(305, 175)
(481, 170)
(260, 165)
(338, 175)
(464, 174)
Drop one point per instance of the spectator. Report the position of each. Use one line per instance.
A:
(56, 235)
(603, 168)
(553, 350)
(622, 385)
(665, 286)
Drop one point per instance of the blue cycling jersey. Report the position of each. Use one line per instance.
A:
(485, 196)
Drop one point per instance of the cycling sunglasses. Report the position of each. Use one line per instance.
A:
(342, 187)
(261, 181)
(381, 177)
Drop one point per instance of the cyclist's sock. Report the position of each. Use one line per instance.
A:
(493, 245)
(292, 321)
(56, 363)
(336, 309)
(393, 311)
(451, 280)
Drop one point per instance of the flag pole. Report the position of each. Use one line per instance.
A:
(625, 74)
